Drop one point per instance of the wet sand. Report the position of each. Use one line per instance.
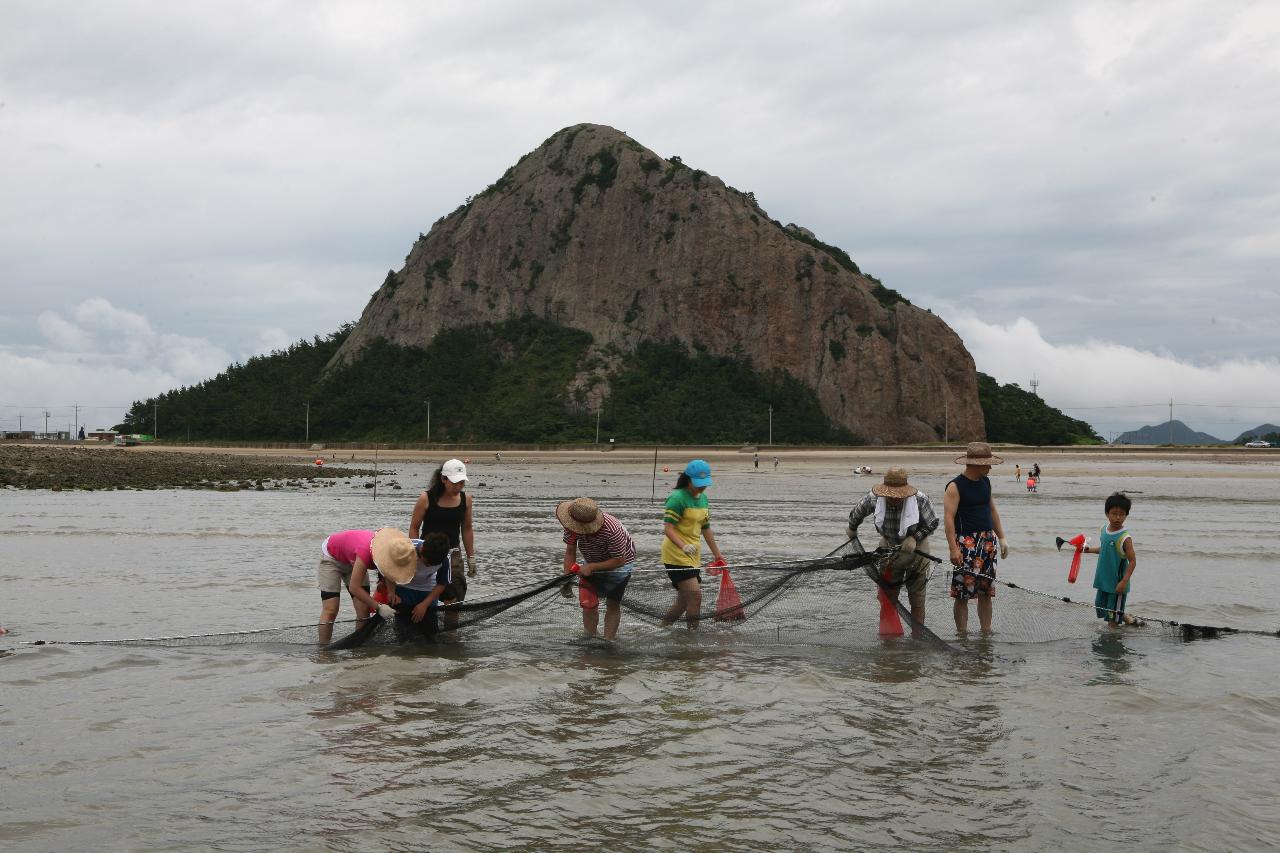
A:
(164, 466)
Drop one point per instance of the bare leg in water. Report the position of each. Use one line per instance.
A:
(688, 603)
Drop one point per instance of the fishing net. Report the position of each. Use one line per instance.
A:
(833, 600)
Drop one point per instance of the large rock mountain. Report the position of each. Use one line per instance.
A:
(596, 232)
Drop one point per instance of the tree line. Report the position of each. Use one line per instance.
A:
(528, 381)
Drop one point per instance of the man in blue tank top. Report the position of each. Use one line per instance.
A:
(974, 535)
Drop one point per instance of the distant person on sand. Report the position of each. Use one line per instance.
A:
(775, 463)
(1035, 471)
(974, 535)
(686, 520)
(1017, 472)
(608, 558)
(445, 507)
(755, 460)
(498, 456)
(1031, 484)
(903, 516)
(1116, 562)
(339, 554)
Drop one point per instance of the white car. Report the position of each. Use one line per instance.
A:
(1257, 443)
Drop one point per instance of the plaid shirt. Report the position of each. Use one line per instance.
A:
(893, 516)
(610, 541)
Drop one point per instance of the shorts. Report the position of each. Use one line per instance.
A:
(976, 574)
(457, 589)
(1109, 605)
(677, 574)
(911, 571)
(333, 577)
(611, 584)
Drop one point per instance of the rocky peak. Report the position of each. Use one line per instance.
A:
(597, 232)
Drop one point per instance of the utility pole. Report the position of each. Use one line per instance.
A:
(428, 402)
(771, 424)
(307, 438)
(597, 426)
(1171, 422)
(77, 432)
(946, 420)
(155, 420)
(46, 422)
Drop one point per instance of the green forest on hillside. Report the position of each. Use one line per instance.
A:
(492, 383)
(507, 383)
(1015, 416)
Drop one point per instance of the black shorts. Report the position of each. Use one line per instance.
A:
(682, 573)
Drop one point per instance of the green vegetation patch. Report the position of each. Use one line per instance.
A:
(1015, 416)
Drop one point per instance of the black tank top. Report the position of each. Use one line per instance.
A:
(973, 515)
(445, 519)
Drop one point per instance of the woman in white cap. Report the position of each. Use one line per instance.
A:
(974, 535)
(686, 521)
(608, 558)
(445, 507)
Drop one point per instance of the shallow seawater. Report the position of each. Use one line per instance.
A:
(663, 741)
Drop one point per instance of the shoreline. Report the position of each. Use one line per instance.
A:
(99, 466)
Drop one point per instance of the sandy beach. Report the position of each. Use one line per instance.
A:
(177, 466)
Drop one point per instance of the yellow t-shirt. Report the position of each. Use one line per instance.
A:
(690, 517)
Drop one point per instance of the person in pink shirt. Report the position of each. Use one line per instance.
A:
(339, 554)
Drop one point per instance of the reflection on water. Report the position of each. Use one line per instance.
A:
(1113, 656)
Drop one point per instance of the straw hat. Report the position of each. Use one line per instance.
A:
(394, 555)
(894, 485)
(979, 453)
(580, 515)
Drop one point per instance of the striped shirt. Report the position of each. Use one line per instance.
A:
(608, 543)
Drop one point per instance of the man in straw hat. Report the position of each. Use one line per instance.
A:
(608, 557)
(974, 535)
(903, 516)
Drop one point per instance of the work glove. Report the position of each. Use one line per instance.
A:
(1004, 548)
(908, 545)
(473, 566)
(691, 550)
(851, 534)
(386, 611)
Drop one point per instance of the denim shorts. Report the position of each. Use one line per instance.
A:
(611, 584)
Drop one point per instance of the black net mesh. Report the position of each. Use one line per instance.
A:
(832, 600)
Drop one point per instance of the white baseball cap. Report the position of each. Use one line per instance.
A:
(454, 471)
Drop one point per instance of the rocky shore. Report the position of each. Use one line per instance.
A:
(57, 468)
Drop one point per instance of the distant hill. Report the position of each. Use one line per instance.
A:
(1266, 432)
(1015, 416)
(1159, 434)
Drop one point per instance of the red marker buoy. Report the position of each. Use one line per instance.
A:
(1078, 542)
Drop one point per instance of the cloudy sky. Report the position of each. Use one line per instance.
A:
(1088, 192)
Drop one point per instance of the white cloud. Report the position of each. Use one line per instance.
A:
(1117, 387)
(105, 359)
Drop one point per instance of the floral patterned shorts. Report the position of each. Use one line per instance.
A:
(976, 574)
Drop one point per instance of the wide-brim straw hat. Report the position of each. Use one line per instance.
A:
(394, 555)
(979, 453)
(580, 515)
(895, 485)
